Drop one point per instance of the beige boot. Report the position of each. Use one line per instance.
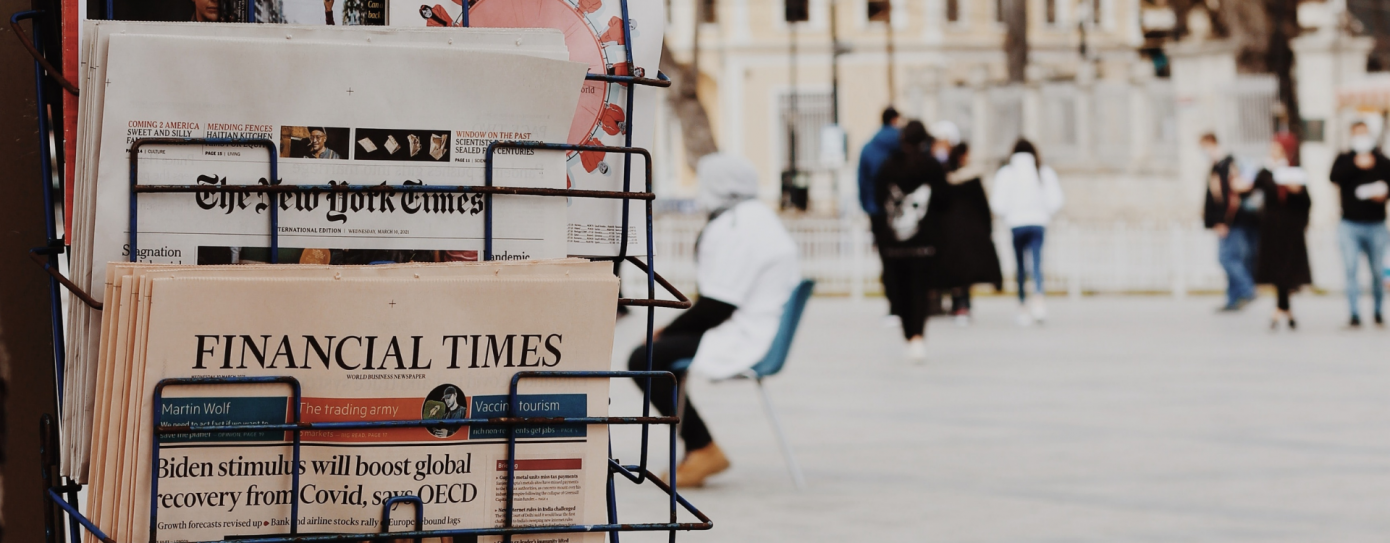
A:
(699, 464)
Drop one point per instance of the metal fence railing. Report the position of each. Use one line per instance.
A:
(1175, 257)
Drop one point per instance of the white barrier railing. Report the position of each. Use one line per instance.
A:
(1173, 257)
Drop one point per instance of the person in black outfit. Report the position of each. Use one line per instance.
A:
(1362, 175)
(1283, 252)
(962, 229)
(907, 250)
(1234, 216)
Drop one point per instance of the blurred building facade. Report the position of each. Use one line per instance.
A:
(1113, 103)
(1095, 106)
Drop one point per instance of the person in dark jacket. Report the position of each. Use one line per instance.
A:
(904, 187)
(871, 158)
(962, 233)
(1282, 259)
(1362, 175)
(1234, 216)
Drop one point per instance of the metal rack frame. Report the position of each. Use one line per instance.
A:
(63, 494)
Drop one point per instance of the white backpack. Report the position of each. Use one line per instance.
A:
(905, 211)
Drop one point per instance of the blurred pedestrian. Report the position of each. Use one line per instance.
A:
(1234, 216)
(745, 271)
(1282, 259)
(1026, 195)
(962, 230)
(883, 144)
(905, 186)
(1361, 174)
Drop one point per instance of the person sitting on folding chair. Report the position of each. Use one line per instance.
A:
(746, 268)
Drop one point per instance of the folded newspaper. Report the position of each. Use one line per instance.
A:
(408, 342)
(272, 83)
(594, 35)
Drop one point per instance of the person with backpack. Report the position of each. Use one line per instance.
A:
(1026, 195)
(903, 188)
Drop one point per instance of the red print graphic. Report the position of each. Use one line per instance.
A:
(590, 159)
(612, 119)
(614, 33)
(590, 6)
(438, 17)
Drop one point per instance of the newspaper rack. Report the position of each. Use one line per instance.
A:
(64, 494)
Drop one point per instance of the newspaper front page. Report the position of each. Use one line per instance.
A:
(432, 348)
(398, 124)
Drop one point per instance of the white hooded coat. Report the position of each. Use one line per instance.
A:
(1024, 194)
(744, 258)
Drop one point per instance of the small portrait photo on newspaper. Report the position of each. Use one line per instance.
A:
(413, 145)
(443, 403)
(314, 142)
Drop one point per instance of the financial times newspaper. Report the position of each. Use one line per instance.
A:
(363, 350)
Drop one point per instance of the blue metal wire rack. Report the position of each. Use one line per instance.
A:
(64, 494)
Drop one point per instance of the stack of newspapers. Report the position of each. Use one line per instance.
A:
(336, 105)
(427, 332)
(397, 342)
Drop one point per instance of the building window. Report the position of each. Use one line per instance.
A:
(797, 11)
(801, 120)
(709, 11)
(1050, 11)
(1095, 11)
(880, 10)
(953, 11)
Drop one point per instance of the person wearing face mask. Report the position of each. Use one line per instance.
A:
(745, 271)
(961, 226)
(1283, 247)
(1362, 175)
(1234, 216)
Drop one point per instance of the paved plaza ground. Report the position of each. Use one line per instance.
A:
(1123, 419)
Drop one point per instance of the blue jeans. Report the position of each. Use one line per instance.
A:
(1236, 252)
(1029, 239)
(1370, 238)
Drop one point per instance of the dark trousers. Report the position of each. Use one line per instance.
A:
(1283, 293)
(890, 287)
(666, 350)
(960, 300)
(910, 294)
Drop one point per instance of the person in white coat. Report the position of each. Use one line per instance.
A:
(746, 269)
(1026, 194)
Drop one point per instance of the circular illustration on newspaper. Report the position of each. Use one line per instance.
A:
(445, 402)
(594, 34)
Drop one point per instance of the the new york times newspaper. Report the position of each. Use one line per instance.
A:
(367, 350)
(395, 124)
